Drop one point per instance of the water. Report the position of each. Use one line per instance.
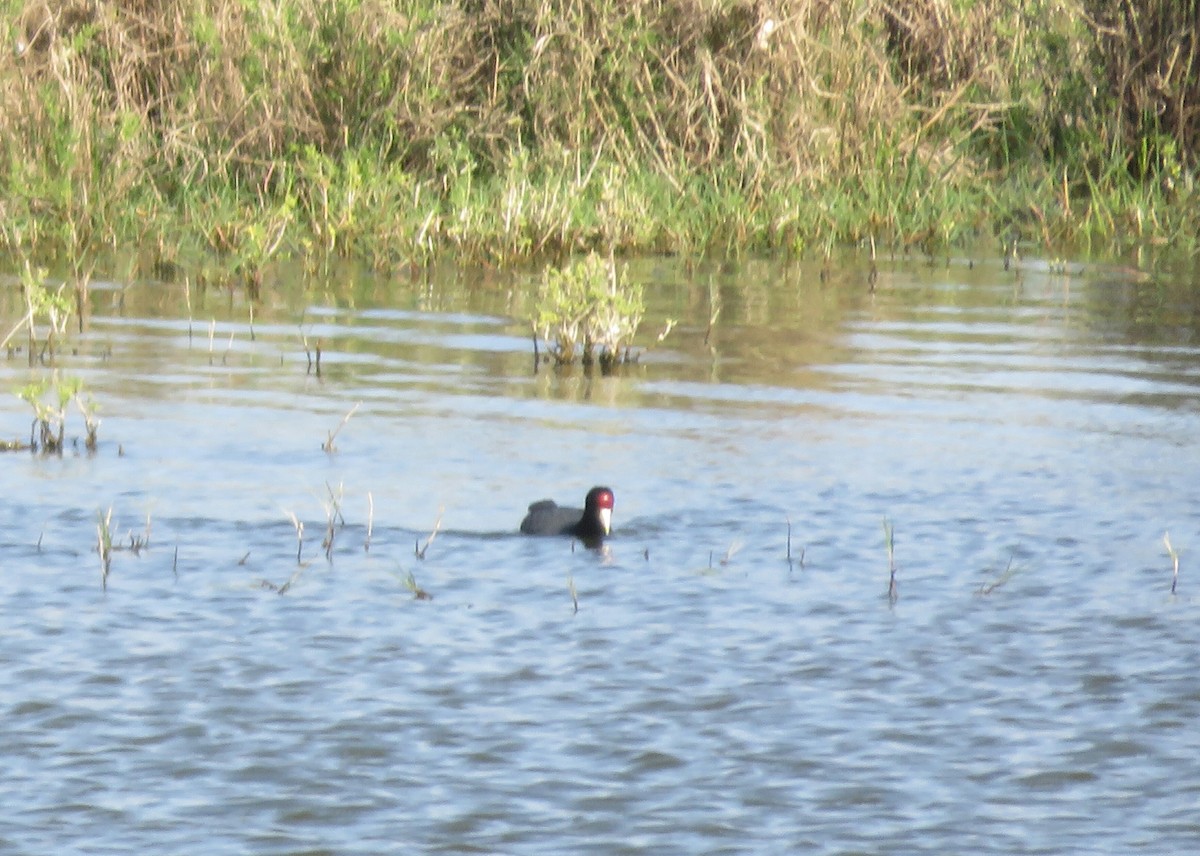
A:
(1032, 688)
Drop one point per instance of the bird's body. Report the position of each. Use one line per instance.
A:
(590, 523)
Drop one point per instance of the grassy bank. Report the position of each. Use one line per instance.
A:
(216, 136)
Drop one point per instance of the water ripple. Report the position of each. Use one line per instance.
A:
(728, 676)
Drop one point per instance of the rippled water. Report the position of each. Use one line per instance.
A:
(1033, 687)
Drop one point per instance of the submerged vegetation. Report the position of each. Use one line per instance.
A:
(219, 137)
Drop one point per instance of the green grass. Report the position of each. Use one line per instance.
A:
(222, 138)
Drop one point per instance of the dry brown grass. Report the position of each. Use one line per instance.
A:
(1150, 53)
(116, 115)
(687, 84)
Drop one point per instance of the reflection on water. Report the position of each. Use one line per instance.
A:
(1027, 433)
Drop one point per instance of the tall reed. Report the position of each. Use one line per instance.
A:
(223, 136)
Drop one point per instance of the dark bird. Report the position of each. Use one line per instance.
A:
(591, 523)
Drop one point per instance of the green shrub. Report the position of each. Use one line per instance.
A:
(587, 312)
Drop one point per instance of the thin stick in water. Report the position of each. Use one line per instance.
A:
(299, 535)
(893, 591)
(328, 446)
(1008, 574)
(874, 274)
(712, 322)
(187, 295)
(370, 521)
(436, 526)
(104, 546)
(1174, 561)
(333, 517)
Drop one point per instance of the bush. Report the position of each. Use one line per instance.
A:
(586, 312)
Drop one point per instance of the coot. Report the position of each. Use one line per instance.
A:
(591, 523)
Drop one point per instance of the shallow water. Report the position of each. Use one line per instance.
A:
(1032, 688)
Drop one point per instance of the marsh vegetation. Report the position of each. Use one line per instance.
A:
(588, 311)
(218, 138)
